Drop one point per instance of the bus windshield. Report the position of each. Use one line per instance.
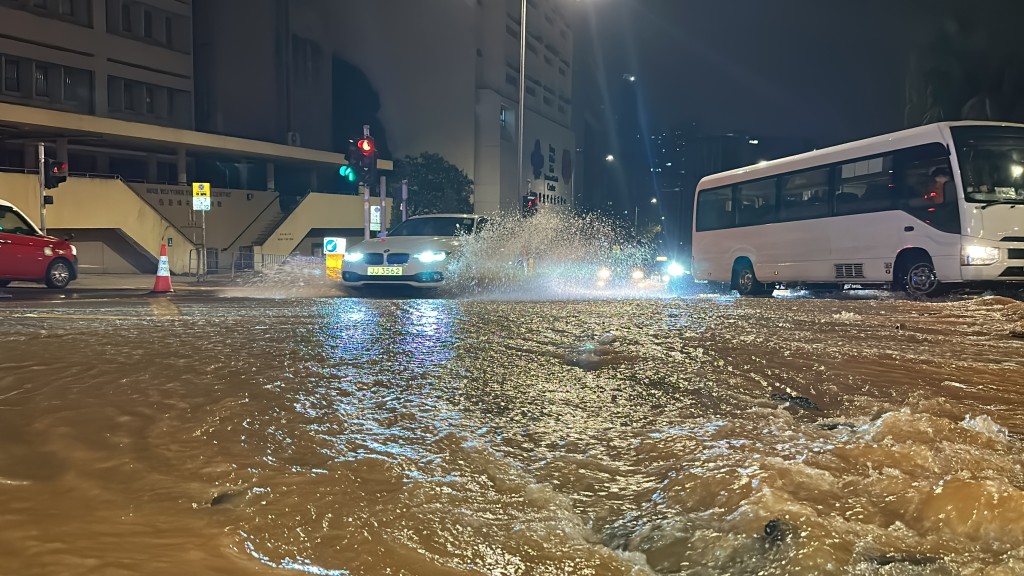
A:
(434, 226)
(991, 163)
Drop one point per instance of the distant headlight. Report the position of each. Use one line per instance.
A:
(604, 274)
(354, 257)
(429, 256)
(638, 275)
(979, 255)
(676, 270)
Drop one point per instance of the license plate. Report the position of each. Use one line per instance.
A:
(384, 270)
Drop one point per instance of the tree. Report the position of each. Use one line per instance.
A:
(971, 69)
(435, 186)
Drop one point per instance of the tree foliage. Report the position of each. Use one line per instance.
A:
(971, 69)
(436, 185)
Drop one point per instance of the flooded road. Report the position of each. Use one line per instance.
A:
(702, 435)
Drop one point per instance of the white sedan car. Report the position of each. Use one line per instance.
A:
(416, 253)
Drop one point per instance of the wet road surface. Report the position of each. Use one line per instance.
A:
(702, 435)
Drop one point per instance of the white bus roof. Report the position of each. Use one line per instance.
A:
(859, 149)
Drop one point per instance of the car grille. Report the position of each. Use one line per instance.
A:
(398, 258)
(373, 258)
(1016, 253)
(1013, 272)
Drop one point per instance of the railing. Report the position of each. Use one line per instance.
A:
(230, 264)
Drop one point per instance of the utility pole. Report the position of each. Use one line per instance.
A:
(366, 193)
(522, 95)
(42, 187)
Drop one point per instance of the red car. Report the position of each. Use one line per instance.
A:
(29, 255)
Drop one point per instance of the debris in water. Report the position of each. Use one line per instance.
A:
(777, 531)
(798, 401)
(838, 425)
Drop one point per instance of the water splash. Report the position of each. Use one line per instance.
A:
(296, 277)
(555, 254)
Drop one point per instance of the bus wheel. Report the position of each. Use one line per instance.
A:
(745, 281)
(919, 278)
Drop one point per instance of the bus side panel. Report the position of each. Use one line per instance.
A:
(712, 256)
(793, 252)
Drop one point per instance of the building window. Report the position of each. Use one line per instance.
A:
(511, 79)
(169, 31)
(126, 18)
(12, 78)
(77, 85)
(42, 81)
(503, 116)
(147, 24)
(67, 8)
(147, 92)
(170, 103)
(128, 97)
(39, 4)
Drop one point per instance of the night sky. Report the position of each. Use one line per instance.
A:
(828, 70)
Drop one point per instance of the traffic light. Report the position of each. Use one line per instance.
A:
(367, 162)
(56, 174)
(529, 205)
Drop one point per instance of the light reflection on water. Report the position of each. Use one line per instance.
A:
(346, 436)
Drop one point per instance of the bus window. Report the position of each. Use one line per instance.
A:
(866, 186)
(757, 203)
(805, 195)
(928, 193)
(714, 209)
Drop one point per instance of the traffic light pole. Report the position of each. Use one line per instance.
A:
(366, 211)
(42, 187)
(383, 207)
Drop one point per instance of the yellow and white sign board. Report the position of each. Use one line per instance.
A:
(201, 196)
(334, 254)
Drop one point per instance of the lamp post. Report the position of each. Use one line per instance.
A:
(636, 215)
(522, 96)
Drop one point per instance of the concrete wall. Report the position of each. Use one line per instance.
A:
(108, 52)
(91, 204)
(232, 213)
(423, 65)
(328, 211)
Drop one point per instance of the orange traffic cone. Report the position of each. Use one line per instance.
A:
(163, 274)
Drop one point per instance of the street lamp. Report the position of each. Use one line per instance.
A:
(636, 215)
(522, 94)
(609, 158)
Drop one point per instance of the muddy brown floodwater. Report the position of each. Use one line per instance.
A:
(704, 435)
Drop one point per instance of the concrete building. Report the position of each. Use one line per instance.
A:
(108, 87)
(442, 76)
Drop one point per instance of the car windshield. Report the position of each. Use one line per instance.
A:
(13, 223)
(991, 163)
(434, 226)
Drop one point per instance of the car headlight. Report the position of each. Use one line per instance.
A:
(604, 274)
(979, 255)
(431, 256)
(638, 274)
(676, 270)
(354, 257)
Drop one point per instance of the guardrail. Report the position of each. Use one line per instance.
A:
(231, 263)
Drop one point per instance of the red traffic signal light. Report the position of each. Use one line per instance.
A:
(366, 146)
(56, 174)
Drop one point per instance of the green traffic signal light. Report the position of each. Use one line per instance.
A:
(347, 173)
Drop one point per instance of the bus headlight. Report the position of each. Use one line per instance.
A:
(676, 270)
(979, 255)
